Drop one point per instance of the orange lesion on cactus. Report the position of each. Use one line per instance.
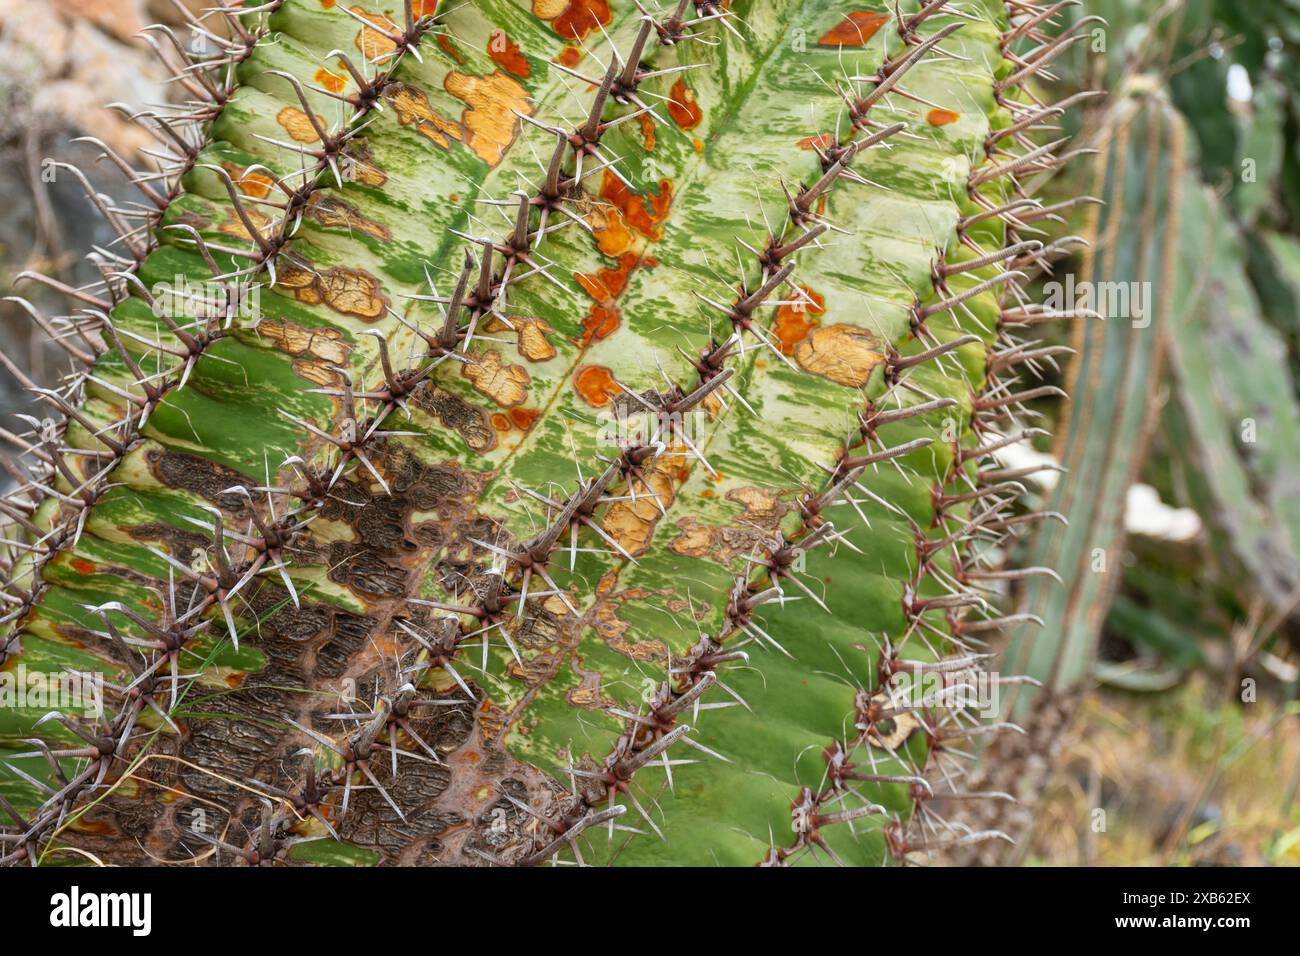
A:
(505, 53)
(632, 207)
(255, 184)
(794, 322)
(596, 385)
(493, 377)
(857, 27)
(941, 117)
(621, 226)
(490, 121)
(524, 418)
(647, 131)
(616, 240)
(683, 107)
(296, 123)
(820, 141)
(610, 229)
(842, 353)
(601, 322)
(449, 47)
(330, 81)
(373, 44)
(569, 56)
(606, 285)
(573, 19)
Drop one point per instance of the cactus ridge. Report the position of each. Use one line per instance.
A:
(370, 484)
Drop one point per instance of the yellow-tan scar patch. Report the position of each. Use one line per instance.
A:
(315, 351)
(333, 212)
(613, 630)
(587, 694)
(346, 291)
(892, 732)
(490, 121)
(361, 166)
(234, 226)
(632, 523)
(842, 353)
(533, 343)
(413, 109)
(505, 384)
(549, 9)
(763, 512)
(296, 123)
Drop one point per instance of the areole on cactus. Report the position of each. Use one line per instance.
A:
(514, 434)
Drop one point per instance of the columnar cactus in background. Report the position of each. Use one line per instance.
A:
(512, 434)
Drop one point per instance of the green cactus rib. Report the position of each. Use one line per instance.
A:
(382, 516)
(783, 766)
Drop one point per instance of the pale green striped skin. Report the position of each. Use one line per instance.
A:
(526, 408)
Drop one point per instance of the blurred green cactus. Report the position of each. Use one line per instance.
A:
(1192, 170)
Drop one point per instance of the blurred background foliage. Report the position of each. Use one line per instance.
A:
(1188, 749)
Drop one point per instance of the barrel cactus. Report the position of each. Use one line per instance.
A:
(514, 434)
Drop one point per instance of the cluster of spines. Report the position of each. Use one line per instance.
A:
(978, 483)
(180, 133)
(997, 411)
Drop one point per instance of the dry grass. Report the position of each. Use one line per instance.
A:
(1183, 779)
